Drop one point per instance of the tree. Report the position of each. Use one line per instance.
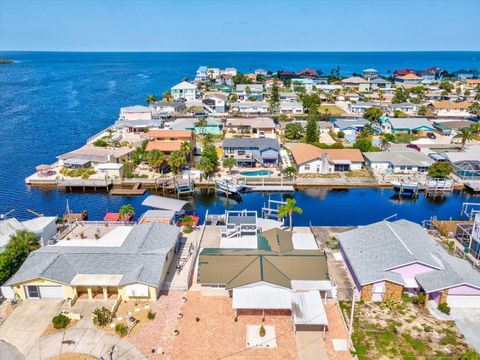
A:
(290, 170)
(186, 149)
(446, 85)
(311, 135)
(464, 135)
(311, 102)
(202, 124)
(474, 109)
(475, 128)
(207, 140)
(151, 99)
(288, 209)
(373, 114)
(294, 131)
(363, 143)
(167, 96)
(401, 95)
(386, 140)
(208, 160)
(440, 169)
(176, 160)
(399, 114)
(126, 211)
(20, 244)
(324, 115)
(155, 158)
(422, 110)
(229, 163)
(100, 143)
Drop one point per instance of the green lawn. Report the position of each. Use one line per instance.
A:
(404, 138)
(334, 110)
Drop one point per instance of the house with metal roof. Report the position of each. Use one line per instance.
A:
(249, 151)
(386, 259)
(398, 161)
(406, 125)
(110, 262)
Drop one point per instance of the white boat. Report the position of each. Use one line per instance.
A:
(227, 185)
(408, 185)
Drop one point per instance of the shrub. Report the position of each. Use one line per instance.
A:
(444, 308)
(340, 134)
(121, 330)
(60, 321)
(419, 299)
(187, 229)
(100, 143)
(101, 316)
(150, 315)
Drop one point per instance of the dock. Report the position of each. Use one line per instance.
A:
(136, 190)
(270, 188)
(473, 185)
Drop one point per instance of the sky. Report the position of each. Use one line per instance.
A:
(248, 25)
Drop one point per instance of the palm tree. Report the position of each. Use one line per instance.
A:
(475, 128)
(207, 140)
(155, 158)
(464, 135)
(25, 238)
(151, 99)
(167, 96)
(176, 160)
(186, 149)
(288, 209)
(202, 124)
(385, 142)
(126, 211)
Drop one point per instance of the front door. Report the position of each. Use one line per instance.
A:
(33, 292)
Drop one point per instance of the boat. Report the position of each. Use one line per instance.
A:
(227, 185)
(405, 186)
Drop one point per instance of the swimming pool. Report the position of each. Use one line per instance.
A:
(256, 173)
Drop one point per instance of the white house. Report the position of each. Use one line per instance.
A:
(398, 162)
(136, 112)
(250, 107)
(290, 107)
(184, 90)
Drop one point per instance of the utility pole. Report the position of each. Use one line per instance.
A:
(350, 326)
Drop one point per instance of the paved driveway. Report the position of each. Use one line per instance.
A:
(27, 322)
(468, 321)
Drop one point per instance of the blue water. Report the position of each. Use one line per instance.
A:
(50, 103)
(256, 173)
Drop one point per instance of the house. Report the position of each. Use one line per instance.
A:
(386, 259)
(249, 91)
(290, 107)
(370, 74)
(136, 112)
(201, 75)
(466, 163)
(284, 74)
(403, 72)
(472, 83)
(465, 74)
(406, 107)
(184, 91)
(249, 151)
(406, 125)
(258, 127)
(44, 227)
(163, 107)
(216, 101)
(250, 107)
(449, 127)
(356, 83)
(168, 141)
(449, 108)
(349, 126)
(89, 155)
(127, 262)
(287, 96)
(381, 84)
(308, 73)
(269, 270)
(360, 107)
(432, 73)
(398, 161)
(214, 125)
(110, 170)
(310, 159)
(261, 72)
(408, 80)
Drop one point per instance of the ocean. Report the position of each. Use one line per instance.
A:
(51, 102)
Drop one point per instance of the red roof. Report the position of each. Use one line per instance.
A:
(170, 134)
(111, 216)
(403, 72)
(164, 146)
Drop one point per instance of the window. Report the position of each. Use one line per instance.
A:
(32, 292)
(379, 289)
(306, 167)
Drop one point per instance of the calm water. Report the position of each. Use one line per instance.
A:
(51, 103)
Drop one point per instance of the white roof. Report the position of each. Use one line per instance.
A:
(307, 308)
(304, 241)
(184, 85)
(320, 285)
(8, 227)
(114, 238)
(261, 295)
(164, 203)
(267, 224)
(471, 153)
(38, 224)
(243, 242)
(109, 166)
(96, 279)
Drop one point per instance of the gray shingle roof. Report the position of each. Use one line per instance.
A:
(140, 258)
(410, 123)
(346, 123)
(260, 143)
(399, 158)
(374, 250)
(189, 123)
(253, 87)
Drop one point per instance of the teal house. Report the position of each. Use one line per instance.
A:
(213, 126)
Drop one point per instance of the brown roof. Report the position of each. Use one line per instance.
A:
(303, 153)
(409, 77)
(473, 81)
(354, 80)
(170, 134)
(445, 104)
(164, 146)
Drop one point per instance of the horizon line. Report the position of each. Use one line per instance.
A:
(238, 51)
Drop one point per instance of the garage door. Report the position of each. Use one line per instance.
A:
(51, 292)
(463, 301)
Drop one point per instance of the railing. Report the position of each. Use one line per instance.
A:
(94, 137)
(104, 223)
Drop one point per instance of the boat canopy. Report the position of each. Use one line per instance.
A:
(164, 203)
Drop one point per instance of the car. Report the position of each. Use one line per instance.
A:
(431, 135)
(414, 147)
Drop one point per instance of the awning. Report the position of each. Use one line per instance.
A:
(307, 308)
(96, 280)
(76, 161)
(261, 295)
(164, 203)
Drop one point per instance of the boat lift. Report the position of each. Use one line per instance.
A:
(470, 209)
(270, 211)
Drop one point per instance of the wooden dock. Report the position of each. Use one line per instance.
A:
(136, 190)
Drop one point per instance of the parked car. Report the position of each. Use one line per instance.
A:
(414, 147)
(431, 135)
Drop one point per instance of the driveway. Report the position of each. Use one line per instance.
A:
(468, 322)
(27, 322)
